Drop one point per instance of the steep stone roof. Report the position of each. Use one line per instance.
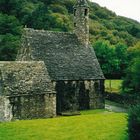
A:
(18, 78)
(65, 57)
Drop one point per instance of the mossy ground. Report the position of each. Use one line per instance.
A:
(90, 125)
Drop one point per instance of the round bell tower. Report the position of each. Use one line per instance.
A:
(81, 21)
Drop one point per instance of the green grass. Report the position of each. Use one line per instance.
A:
(115, 86)
(91, 125)
(97, 111)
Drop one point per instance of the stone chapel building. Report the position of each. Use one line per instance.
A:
(54, 72)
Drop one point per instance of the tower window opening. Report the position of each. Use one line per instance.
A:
(74, 12)
(86, 12)
(74, 24)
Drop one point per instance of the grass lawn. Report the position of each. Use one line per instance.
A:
(115, 86)
(91, 125)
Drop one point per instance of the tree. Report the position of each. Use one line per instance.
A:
(134, 123)
(9, 24)
(10, 32)
(107, 58)
(122, 57)
(11, 7)
(131, 84)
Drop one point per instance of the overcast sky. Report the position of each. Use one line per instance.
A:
(127, 8)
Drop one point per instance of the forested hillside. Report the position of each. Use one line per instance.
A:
(107, 30)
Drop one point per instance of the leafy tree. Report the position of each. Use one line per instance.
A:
(8, 47)
(44, 18)
(10, 32)
(57, 15)
(9, 24)
(131, 82)
(107, 58)
(134, 51)
(11, 7)
(131, 86)
(134, 123)
(122, 57)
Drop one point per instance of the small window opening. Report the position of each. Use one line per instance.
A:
(74, 24)
(86, 12)
(74, 12)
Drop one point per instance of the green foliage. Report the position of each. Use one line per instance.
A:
(49, 17)
(39, 14)
(56, 8)
(105, 53)
(122, 58)
(134, 123)
(118, 29)
(10, 32)
(57, 15)
(131, 82)
(135, 69)
(113, 59)
(9, 24)
(12, 7)
(90, 126)
(8, 47)
(134, 51)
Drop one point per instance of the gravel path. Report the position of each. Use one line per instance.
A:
(115, 108)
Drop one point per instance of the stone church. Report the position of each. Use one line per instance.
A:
(54, 72)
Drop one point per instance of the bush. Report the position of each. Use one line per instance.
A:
(126, 100)
(134, 123)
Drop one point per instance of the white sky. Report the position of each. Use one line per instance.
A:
(127, 8)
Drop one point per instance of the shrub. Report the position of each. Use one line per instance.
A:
(134, 123)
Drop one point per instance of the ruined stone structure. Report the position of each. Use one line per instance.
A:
(54, 72)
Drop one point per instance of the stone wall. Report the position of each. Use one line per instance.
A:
(33, 106)
(5, 109)
(96, 94)
(26, 91)
(79, 95)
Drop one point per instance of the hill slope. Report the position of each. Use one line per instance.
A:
(58, 15)
(104, 24)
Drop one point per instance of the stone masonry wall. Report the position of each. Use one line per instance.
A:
(81, 23)
(33, 106)
(96, 94)
(5, 109)
(26, 91)
(79, 95)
